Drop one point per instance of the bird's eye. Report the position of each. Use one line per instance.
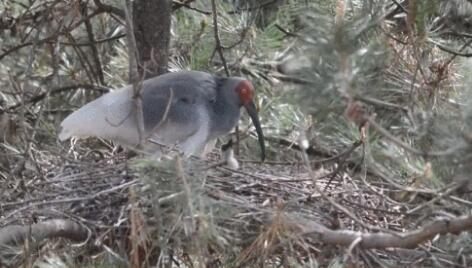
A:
(244, 91)
(185, 100)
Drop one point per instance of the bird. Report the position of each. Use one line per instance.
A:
(186, 110)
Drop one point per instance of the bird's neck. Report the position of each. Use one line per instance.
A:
(224, 118)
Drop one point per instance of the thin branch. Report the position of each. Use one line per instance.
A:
(218, 46)
(407, 147)
(91, 37)
(187, 5)
(438, 197)
(343, 157)
(333, 202)
(177, 4)
(460, 34)
(15, 48)
(53, 91)
(253, 8)
(381, 103)
(292, 79)
(455, 53)
(133, 70)
(52, 38)
(84, 60)
(164, 116)
(28, 16)
(95, 42)
(287, 33)
(400, 6)
(310, 151)
(242, 36)
(91, 196)
(109, 8)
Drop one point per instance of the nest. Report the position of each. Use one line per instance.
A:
(185, 212)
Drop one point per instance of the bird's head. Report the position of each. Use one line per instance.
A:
(244, 91)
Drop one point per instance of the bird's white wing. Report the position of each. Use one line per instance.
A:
(110, 116)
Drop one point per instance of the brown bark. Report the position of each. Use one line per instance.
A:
(151, 23)
(15, 235)
(380, 240)
(13, 238)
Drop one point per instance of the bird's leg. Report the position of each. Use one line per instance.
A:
(73, 141)
(228, 155)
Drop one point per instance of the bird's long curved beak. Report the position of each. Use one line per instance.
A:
(252, 111)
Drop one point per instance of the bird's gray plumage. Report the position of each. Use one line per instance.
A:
(202, 107)
(189, 89)
(225, 114)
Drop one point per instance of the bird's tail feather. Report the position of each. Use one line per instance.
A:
(109, 117)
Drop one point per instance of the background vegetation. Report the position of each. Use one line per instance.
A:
(365, 106)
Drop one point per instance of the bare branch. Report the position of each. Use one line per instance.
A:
(133, 70)
(91, 36)
(187, 5)
(382, 240)
(14, 235)
(110, 9)
(57, 90)
(52, 38)
(407, 147)
(218, 46)
(166, 113)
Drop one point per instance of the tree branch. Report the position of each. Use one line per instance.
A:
(13, 237)
(133, 70)
(43, 95)
(95, 55)
(110, 9)
(50, 39)
(218, 46)
(186, 4)
(382, 240)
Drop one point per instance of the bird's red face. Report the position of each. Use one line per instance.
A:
(245, 91)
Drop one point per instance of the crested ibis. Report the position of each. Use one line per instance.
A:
(186, 109)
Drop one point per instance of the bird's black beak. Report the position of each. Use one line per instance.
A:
(251, 110)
